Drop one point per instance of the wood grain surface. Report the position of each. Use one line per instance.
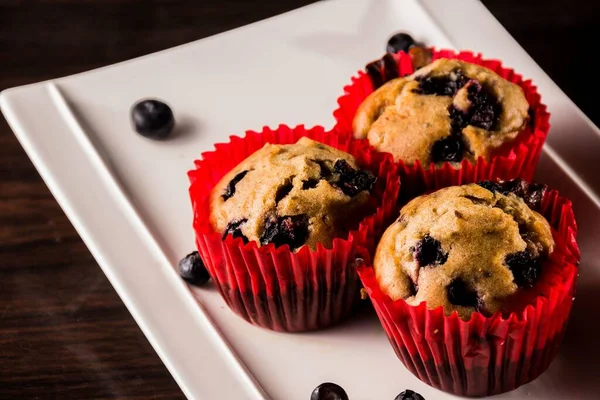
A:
(64, 332)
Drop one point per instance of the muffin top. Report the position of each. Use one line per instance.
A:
(449, 110)
(466, 248)
(296, 194)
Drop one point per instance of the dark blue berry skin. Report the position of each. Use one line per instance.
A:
(460, 294)
(526, 268)
(409, 395)
(450, 149)
(192, 269)
(289, 229)
(152, 119)
(352, 181)
(531, 193)
(491, 186)
(234, 228)
(230, 189)
(329, 391)
(400, 42)
(428, 251)
(441, 85)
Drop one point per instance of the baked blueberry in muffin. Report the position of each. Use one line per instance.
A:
(449, 110)
(298, 194)
(466, 248)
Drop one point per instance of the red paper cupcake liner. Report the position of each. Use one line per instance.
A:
(517, 159)
(274, 287)
(488, 355)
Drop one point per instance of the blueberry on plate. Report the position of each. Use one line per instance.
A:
(192, 269)
(409, 395)
(400, 42)
(152, 119)
(328, 391)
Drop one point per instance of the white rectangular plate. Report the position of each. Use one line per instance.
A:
(127, 196)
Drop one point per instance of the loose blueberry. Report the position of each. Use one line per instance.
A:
(234, 228)
(400, 42)
(290, 229)
(428, 251)
(352, 181)
(192, 269)
(448, 149)
(409, 395)
(230, 189)
(460, 294)
(152, 119)
(524, 267)
(329, 391)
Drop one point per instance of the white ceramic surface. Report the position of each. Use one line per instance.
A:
(127, 196)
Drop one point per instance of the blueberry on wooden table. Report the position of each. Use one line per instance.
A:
(400, 42)
(152, 119)
(192, 269)
(329, 391)
(409, 395)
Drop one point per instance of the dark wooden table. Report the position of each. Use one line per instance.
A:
(64, 332)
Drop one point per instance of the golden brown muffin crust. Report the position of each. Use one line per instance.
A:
(463, 248)
(280, 181)
(407, 121)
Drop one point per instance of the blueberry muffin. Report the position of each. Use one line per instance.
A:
(298, 194)
(466, 248)
(449, 110)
